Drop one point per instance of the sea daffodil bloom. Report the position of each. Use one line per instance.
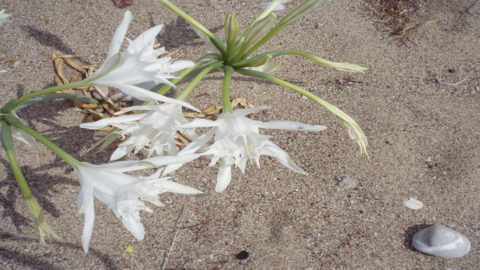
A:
(139, 63)
(124, 194)
(3, 17)
(151, 130)
(237, 139)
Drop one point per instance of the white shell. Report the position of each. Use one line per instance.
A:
(440, 241)
(413, 204)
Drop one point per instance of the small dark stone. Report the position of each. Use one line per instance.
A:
(243, 255)
(451, 70)
(122, 3)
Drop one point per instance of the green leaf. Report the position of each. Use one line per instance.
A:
(54, 96)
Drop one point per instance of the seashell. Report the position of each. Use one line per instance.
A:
(440, 241)
(413, 204)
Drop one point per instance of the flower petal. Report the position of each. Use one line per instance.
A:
(88, 225)
(133, 165)
(148, 95)
(26, 138)
(282, 157)
(111, 121)
(199, 123)
(224, 176)
(191, 148)
(243, 112)
(177, 188)
(289, 125)
(119, 35)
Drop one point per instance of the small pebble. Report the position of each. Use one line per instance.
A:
(413, 204)
(243, 255)
(129, 249)
(440, 241)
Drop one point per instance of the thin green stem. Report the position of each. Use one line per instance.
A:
(57, 150)
(14, 103)
(354, 130)
(162, 91)
(227, 106)
(197, 79)
(39, 220)
(215, 40)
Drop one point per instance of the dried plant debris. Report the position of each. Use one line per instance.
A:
(107, 107)
(15, 62)
(394, 17)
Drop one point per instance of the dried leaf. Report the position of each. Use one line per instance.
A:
(91, 106)
(432, 21)
(74, 65)
(212, 110)
(74, 79)
(58, 81)
(108, 108)
(182, 139)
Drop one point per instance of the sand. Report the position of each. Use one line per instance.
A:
(422, 132)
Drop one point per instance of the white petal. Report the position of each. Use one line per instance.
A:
(199, 123)
(180, 65)
(133, 224)
(224, 176)
(26, 138)
(111, 121)
(133, 165)
(148, 37)
(289, 125)
(88, 225)
(149, 96)
(121, 151)
(243, 112)
(177, 188)
(119, 35)
(191, 148)
(283, 158)
(267, 68)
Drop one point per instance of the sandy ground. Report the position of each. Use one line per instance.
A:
(404, 103)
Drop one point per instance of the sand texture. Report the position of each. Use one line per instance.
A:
(422, 129)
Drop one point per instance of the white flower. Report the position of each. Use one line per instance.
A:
(137, 64)
(151, 130)
(124, 194)
(3, 17)
(237, 139)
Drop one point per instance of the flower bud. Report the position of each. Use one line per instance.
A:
(231, 29)
(301, 10)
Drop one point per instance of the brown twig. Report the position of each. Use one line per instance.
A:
(165, 259)
(202, 230)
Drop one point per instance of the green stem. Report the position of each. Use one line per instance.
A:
(215, 40)
(354, 130)
(14, 103)
(181, 75)
(197, 79)
(227, 106)
(57, 150)
(39, 220)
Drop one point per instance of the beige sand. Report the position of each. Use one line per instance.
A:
(283, 219)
